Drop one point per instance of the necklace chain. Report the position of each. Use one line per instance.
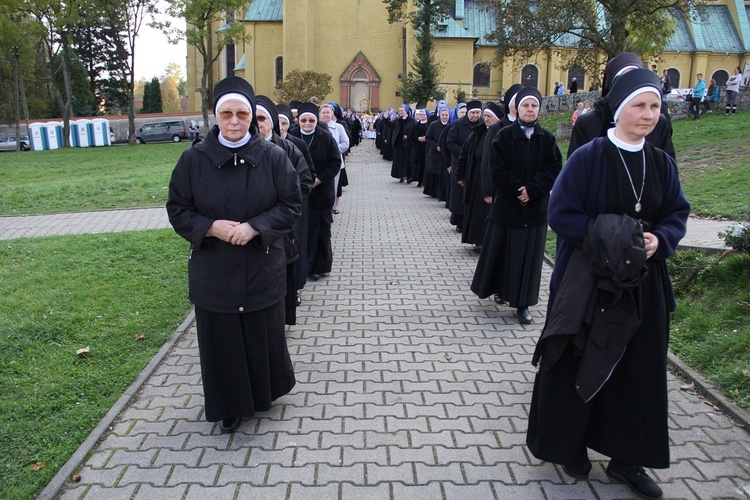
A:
(643, 182)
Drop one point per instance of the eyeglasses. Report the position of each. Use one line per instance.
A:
(241, 115)
(261, 118)
(307, 120)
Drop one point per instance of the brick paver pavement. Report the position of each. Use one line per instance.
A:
(409, 387)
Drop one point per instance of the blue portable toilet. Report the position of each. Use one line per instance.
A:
(101, 132)
(54, 134)
(84, 131)
(73, 133)
(38, 137)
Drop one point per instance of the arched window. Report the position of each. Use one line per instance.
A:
(721, 77)
(481, 74)
(579, 74)
(674, 77)
(279, 70)
(530, 76)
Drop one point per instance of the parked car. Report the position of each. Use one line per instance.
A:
(9, 143)
(172, 130)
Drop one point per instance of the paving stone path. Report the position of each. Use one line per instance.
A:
(408, 387)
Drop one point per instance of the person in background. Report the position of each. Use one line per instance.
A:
(574, 86)
(433, 152)
(234, 197)
(586, 107)
(698, 92)
(711, 97)
(337, 130)
(617, 195)
(578, 112)
(733, 90)
(418, 144)
(666, 84)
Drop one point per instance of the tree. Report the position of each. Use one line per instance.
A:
(152, 102)
(83, 102)
(302, 85)
(422, 83)
(170, 98)
(592, 28)
(200, 16)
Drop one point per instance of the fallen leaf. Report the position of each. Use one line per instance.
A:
(746, 372)
(44, 316)
(394, 282)
(448, 356)
(688, 387)
(76, 478)
(139, 336)
(744, 305)
(83, 352)
(709, 403)
(37, 466)
(24, 452)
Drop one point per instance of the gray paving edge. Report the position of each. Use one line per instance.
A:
(66, 471)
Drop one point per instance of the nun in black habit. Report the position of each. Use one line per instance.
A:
(460, 130)
(234, 197)
(524, 162)
(418, 145)
(400, 143)
(468, 175)
(596, 122)
(433, 152)
(602, 378)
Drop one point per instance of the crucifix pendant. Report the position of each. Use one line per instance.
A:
(638, 207)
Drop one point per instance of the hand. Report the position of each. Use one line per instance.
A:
(241, 234)
(421, 138)
(220, 229)
(651, 242)
(523, 196)
(317, 182)
(461, 183)
(450, 169)
(488, 199)
(438, 148)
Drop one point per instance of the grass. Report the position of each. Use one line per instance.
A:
(711, 326)
(60, 294)
(77, 179)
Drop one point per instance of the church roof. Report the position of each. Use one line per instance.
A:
(719, 33)
(265, 11)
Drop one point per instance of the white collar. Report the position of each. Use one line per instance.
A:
(633, 148)
(238, 144)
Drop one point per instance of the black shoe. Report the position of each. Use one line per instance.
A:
(229, 425)
(524, 317)
(477, 248)
(498, 299)
(579, 469)
(635, 477)
(401, 180)
(315, 277)
(298, 300)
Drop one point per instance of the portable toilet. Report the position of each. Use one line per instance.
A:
(73, 133)
(38, 137)
(54, 134)
(83, 131)
(101, 132)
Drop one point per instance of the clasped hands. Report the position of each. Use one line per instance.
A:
(523, 196)
(236, 233)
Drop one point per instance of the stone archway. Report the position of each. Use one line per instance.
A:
(360, 82)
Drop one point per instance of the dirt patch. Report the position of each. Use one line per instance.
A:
(712, 159)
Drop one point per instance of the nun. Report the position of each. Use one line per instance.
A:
(418, 145)
(235, 197)
(433, 152)
(401, 145)
(612, 398)
(524, 163)
(460, 130)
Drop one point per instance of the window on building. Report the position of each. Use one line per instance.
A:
(530, 76)
(481, 75)
(279, 70)
(229, 60)
(674, 77)
(230, 17)
(721, 77)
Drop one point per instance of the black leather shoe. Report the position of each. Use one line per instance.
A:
(524, 317)
(579, 469)
(298, 300)
(477, 248)
(315, 277)
(635, 477)
(229, 425)
(498, 299)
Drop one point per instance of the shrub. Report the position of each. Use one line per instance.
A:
(738, 237)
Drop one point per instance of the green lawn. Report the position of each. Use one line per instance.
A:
(61, 294)
(77, 179)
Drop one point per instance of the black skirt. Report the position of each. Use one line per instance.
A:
(628, 418)
(245, 362)
(431, 182)
(511, 264)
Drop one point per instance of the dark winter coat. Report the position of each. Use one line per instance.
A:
(516, 161)
(434, 158)
(256, 184)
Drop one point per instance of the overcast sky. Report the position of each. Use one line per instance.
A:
(153, 53)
